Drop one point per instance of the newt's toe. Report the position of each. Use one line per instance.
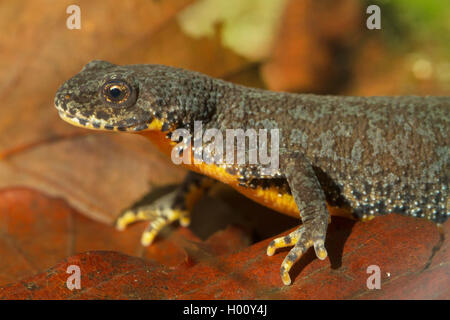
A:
(159, 214)
(286, 241)
(125, 219)
(319, 247)
(185, 220)
(301, 240)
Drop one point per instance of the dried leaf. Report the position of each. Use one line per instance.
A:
(408, 249)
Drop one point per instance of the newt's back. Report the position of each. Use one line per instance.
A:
(374, 154)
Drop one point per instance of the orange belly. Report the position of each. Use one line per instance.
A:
(269, 197)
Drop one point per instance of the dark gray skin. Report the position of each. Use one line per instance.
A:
(374, 155)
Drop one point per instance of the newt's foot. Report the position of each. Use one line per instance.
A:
(160, 214)
(301, 239)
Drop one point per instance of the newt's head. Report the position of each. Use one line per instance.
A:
(132, 98)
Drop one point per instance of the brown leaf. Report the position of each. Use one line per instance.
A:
(406, 248)
(99, 174)
(37, 231)
(314, 38)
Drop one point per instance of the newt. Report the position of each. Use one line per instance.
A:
(357, 157)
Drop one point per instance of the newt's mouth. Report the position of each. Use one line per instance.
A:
(99, 124)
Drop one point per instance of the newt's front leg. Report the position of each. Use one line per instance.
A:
(310, 200)
(176, 205)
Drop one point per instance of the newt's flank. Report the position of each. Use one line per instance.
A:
(357, 157)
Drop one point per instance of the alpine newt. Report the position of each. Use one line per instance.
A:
(351, 156)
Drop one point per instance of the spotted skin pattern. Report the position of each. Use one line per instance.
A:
(354, 156)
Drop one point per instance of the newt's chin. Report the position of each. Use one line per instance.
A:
(98, 124)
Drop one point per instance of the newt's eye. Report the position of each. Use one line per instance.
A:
(118, 93)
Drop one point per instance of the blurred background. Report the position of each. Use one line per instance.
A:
(284, 45)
